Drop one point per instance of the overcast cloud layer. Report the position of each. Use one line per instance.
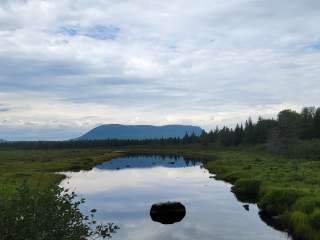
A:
(67, 66)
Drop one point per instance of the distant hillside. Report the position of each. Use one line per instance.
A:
(117, 131)
(2, 140)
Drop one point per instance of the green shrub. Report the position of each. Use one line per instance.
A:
(247, 189)
(309, 149)
(278, 201)
(31, 214)
(299, 225)
(233, 176)
(307, 204)
(315, 219)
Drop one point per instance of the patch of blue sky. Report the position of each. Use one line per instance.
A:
(4, 109)
(100, 32)
(68, 31)
(103, 32)
(314, 46)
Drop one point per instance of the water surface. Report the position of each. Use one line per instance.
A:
(124, 189)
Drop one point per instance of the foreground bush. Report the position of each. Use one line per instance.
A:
(247, 189)
(307, 204)
(50, 214)
(299, 225)
(298, 212)
(277, 202)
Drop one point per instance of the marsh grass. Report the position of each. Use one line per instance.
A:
(41, 167)
(33, 207)
(278, 201)
(247, 190)
(286, 188)
(289, 188)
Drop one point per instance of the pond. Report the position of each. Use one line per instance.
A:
(124, 189)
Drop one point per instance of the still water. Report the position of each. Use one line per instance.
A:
(124, 189)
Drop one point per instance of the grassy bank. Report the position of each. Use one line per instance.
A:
(40, 167)
(287, 190)
(32, 206)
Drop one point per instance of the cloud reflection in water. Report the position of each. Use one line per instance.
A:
(124, 189)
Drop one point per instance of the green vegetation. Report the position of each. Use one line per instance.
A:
(287, 190)
(247, 189)
(291, 134)
(275, 163)
(39, 167)
(48, 214)
(33, 207)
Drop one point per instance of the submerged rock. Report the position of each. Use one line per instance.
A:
(246, 207)
(168, 212)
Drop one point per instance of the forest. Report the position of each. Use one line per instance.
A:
(291, 133)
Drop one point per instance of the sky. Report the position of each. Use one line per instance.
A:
(67, 66)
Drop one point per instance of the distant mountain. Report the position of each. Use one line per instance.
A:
(117, 131)
(2, 140)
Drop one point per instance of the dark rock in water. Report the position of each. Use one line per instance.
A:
(171, 162)
(168, 212)
(246, 207)
(127, 166)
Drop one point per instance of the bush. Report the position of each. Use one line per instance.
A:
(315, 219)
(247, 189)
(299, 225)
(307, 204)
(233, 176)
(51, 214)
(309, 149)
(278, 201)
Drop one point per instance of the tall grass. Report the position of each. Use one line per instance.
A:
(247, 189)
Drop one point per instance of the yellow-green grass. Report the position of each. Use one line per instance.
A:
(41, 167)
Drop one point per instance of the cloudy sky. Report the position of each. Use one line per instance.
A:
(69, 65)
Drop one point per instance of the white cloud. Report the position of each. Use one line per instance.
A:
(204, 62)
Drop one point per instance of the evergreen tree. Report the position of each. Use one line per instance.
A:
(289, 124)
(238, 135)
(317, 123)
(249, 132)
(307, 122)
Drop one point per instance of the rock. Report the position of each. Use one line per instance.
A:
(246, 207)
(168, 212)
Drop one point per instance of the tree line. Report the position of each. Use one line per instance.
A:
(288, 125)
(279, 134)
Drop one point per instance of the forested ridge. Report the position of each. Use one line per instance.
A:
(289, 126)
(291, 132)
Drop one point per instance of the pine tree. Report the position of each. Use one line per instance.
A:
(317, 123)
